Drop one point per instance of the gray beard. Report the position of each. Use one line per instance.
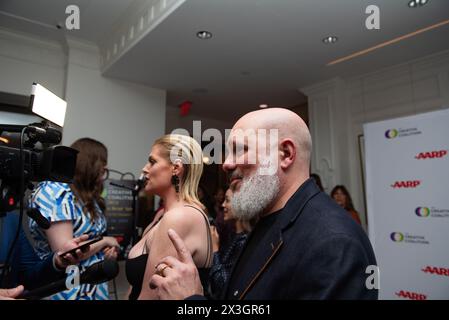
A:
(255, 194)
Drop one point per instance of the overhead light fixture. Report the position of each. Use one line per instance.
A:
(263, 106)
(330, 39)
(417, 3)
(204, 35)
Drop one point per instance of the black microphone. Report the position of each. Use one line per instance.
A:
(41, 221)
(97, 273)
(100, 272)
(140, 183)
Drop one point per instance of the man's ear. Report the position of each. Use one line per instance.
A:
(287, 152)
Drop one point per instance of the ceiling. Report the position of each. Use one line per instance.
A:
(97, 17)
(261, 51)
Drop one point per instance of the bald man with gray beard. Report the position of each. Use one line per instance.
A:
(304, 245)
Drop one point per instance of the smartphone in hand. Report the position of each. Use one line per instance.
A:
(82, 246)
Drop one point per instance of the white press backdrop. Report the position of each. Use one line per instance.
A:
(407, 185)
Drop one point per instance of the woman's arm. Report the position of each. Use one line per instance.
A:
(128, 293)
(61, 232)
(108, 243)
(58, 234)
(215, 239)
(188, 226)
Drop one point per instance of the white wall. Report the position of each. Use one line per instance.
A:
(339, 107)
(25, 59)
(174, 121)
(127, 117)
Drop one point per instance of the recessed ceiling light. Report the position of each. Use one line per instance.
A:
(330, 39)
(417, 3)
(263, 106)
(204, 35)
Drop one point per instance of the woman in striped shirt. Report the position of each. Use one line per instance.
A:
(74, 210)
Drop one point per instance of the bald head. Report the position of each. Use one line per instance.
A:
(264, 186)
(288, 124)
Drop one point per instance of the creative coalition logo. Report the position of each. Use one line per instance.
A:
(422, 211)
(399, 133)
(392, 133)
(406, 184)
(431, 155)
(411, 295)
(436, 270)
(397, 237)
(432, 212)
(408, 238)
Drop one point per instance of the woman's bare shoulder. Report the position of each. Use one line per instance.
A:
(182, 216)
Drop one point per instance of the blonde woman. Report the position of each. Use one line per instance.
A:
(173, 173)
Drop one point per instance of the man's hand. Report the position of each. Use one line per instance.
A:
(176, 279)
(69, 259)
(10, 294)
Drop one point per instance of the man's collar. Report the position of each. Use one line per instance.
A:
(296, 203)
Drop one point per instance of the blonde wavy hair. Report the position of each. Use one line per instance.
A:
(176, 147)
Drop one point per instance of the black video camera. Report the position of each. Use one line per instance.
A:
(54, 163)
(21, 159)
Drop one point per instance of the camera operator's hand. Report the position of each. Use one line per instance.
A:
(71, 259)
(10, 294)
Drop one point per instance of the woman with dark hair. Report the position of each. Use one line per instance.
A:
(74, 210)
(341, 195)
(225, 228)
(225, 256)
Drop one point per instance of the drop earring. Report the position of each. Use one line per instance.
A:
(175, 182)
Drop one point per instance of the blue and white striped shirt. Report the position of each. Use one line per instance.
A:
(57, 202)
